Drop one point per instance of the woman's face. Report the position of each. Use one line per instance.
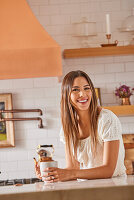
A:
(81, 94)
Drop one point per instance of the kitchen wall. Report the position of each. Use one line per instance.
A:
(57, 16)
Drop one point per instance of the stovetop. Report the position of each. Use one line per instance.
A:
(18, 182)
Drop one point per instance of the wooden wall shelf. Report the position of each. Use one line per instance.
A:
(122, 110)
(98, 51)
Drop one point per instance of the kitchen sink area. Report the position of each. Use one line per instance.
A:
(19, 182)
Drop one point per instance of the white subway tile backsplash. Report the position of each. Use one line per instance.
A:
(70, 8)
(45, 82)
(53, 133)
(115, 27)
(21, 134)
(30, 93)
(24, 104)
(96, 68)
(77, 1)
(17, 174)
(45, 102)
(70, 61)
(110, 6)
(84, 61)
(117, 59)
(35, 134)
(132, 98)
(114, 67)
(58, 20)
(31, 173)
(19, 125)
(22, 83)
(131, 128)
(49, 10)
(27, 143)
(5, 166)
(129, 67)
(53, 123)
(3, 157)
(121, 37)
(6, 85)
(129, 119)
(85, 8)
(28, 164)
(128, 76)
(60, 153)
(32, 154)
(58, 1)
(4, 174)
(61, 163)
(17, 154)
(119, 15)
(37, 2)
(93, 6)
(110, 88)
(105, 78)
(103, 59)
(53, 112)
(125, 128)
(127, 5)
(128, 58)
(108, 98)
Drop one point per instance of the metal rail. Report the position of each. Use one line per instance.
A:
(21, 110)
(21, 119)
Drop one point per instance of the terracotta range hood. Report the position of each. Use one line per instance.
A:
(26, 49)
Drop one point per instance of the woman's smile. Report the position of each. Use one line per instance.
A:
(83, 103)
(82, 100)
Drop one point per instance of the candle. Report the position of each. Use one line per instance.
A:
(108, 31)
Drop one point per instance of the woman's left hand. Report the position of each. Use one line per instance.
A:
(53, 174)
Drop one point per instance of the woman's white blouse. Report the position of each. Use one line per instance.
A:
(109, 129)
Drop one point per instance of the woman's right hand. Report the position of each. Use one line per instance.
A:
(37, 169)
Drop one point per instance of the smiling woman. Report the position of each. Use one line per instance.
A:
(92, 135)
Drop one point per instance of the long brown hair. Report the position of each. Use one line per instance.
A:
(69, 115)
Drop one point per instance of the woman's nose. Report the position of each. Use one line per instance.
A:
(82, 93)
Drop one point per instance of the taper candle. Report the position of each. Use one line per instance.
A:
(108, 31)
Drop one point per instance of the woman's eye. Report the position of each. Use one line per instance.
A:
(75, 90)
(87, 88)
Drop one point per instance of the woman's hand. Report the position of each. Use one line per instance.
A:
(53, 174)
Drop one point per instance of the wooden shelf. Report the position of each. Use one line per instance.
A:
(122, 110)
(128, 140)
(98, 51)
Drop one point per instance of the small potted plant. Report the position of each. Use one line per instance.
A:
(124, 92)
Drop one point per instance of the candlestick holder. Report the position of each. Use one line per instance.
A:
(108, 36)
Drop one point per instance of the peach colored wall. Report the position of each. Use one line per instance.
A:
(26, 49)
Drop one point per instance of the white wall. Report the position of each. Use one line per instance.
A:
(57, 17)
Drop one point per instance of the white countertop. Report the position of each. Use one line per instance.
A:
(83, 185)
(39, 186)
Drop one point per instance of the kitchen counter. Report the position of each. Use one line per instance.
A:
(121, 188)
